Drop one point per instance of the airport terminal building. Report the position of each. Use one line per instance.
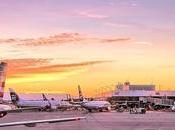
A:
(147, 93)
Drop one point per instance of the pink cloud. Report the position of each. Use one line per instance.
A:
(114, 40)
(91, 14)
(56, 39)
(63, 38)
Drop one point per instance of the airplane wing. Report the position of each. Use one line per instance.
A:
(33, 123)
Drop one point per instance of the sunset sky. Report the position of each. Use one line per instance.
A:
(54, 45)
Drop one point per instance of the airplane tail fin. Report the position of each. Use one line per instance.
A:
(80, 93)
(44, 97)
(14, 96)
(68, 97)
(3, 70)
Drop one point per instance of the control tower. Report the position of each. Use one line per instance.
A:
(3, 70)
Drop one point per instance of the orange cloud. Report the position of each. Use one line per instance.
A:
(35, 66)
(16, 65)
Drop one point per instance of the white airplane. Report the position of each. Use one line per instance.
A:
(21, 103)
(58, 104)
(93, 105)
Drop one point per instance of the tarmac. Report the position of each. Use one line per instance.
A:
(95, 121)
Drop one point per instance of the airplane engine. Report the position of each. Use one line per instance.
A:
(30, 125)
(2, 114)
(54, 107)
(109, 108)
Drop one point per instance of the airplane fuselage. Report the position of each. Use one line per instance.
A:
(33, 103)
(2, 108)
(5, 107)
(97, 105)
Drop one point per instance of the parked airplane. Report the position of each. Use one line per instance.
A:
(16, 100)
(45, 103)
(58, 104)
(93, 105)
(33, 123)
